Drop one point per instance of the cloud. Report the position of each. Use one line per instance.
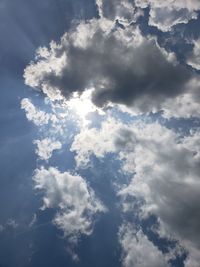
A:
(166, 14)
(9, 224)
(138, 251)
(33, 114)
(122, 10)
(72, 196)
(46, 147)
(92, 141)
(167, 177)
(184, 105)
(194, 57)
(162, 14)
(116, 63)
(165, 169)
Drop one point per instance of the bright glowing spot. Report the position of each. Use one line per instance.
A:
(82, 106)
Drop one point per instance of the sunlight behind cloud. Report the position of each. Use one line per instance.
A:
(82, 106)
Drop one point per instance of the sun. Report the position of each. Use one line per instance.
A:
(82, 105)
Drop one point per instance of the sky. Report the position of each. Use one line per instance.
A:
(100, 133)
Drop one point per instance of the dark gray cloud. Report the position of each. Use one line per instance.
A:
(121, 65)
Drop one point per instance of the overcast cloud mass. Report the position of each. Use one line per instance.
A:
(101, 133)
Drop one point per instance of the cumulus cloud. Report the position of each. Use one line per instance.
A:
(183, 106)
(138, 251)
(116, 63)
(194, 57)
(122, 10)
(162, 14)
(166, 14)
(166, 176)
(92, 141)
(46, 147)
(72, 196)
(165, 168)
(33, 114)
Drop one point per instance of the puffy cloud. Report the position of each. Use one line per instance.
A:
(167, 178)
(186, 105)
(73, 197)
(116, 63)
(138, 251)
(92, 141)
(163, 14)
(33, 114)
(194, 57)
(122, 10)
(166, 14)
(46, 147)
(165, 168)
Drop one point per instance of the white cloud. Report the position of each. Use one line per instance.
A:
(166, 14)
(163, 14)
(122, 10)
(138, 251)
(92, 141)
(33, 114)
(46, 147)
(167, 177)
(73, 197)
(184, 106)
(165, 168)
(194, 57)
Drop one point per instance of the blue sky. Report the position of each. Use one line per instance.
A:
(99, 133)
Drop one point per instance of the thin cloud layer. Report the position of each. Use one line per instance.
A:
(75, 200)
